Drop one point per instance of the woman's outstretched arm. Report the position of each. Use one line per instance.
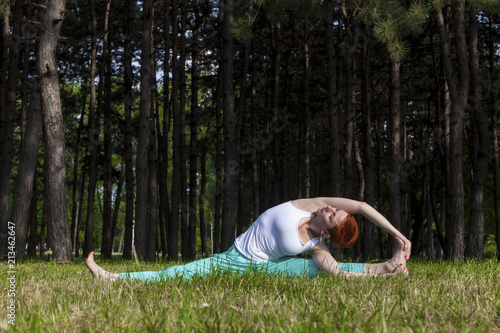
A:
(326, 263)
(355, 207)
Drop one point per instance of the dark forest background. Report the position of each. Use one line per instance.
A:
(165, 127)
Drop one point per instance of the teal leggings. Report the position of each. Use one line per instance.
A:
(232, 260)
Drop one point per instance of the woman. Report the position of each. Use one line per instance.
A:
(280, 233)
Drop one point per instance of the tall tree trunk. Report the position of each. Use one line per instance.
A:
(306, 111)
(182, 134)
(494, 120)
(231, 168)
(395, 164)
(23, 189)
(350, 65)
(145, 106)
(459, 91)
(218, 166)
(163, 143)
(8, 115)
(93, 139)
(368, 241)
(107, 221)
(152, 235)
(479, 146)
(278, 159)
(54, 131)
(76, 165)
(335, 169)
(193, 153)
(203, 183)
(129, 172)
(173, 235)
(241, 137)
(254, 143)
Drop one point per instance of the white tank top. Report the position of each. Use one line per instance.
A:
(275, 234)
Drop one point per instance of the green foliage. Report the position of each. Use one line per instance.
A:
(437, 297)
(392, 21)
(242, 28)
(489, 6)
(3, 6)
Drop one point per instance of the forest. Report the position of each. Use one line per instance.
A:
(164, 128)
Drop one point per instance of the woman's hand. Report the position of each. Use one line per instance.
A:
(407, 248)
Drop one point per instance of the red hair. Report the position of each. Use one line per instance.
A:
(346, 233)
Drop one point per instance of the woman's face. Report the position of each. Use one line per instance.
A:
(330, 217)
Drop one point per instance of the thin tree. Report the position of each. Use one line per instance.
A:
(479, 145)
(193, 125)
(74, 191)
(182, 132)
(107, 223)
(92, 139)
(144, 134)
(164, 136)
(173, 235)
(128, 79)
(231, 168)
(23, 189)
(333, 118)
(459, 92)
(8, 111)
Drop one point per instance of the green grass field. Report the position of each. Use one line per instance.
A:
(437, 297)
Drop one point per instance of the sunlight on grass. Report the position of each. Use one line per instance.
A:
(438, 296)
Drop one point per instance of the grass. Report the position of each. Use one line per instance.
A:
(437, 297)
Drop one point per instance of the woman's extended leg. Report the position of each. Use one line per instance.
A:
(231, 260)
(98, 272)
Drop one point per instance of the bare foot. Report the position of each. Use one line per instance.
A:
(98, 272)
(397, 265)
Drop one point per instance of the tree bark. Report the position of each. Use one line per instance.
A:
(231, 167)
(74, 191)
(176, 160)
(368, 238)
(146, 96)
(23, 189)
(193, 152)
(164, 141)
(152, 234)
(459, 91)
(218, 167)
(278, 159)
(92, 141)
(182, 134)
(129, 172)
(203, 183)
(8, 113)
(479, 146)
(494, 120)
(107, 221)
(306, 111)
(335, 169)
(395, 164)
(254, 143)
(118, 200)
(54, 131)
